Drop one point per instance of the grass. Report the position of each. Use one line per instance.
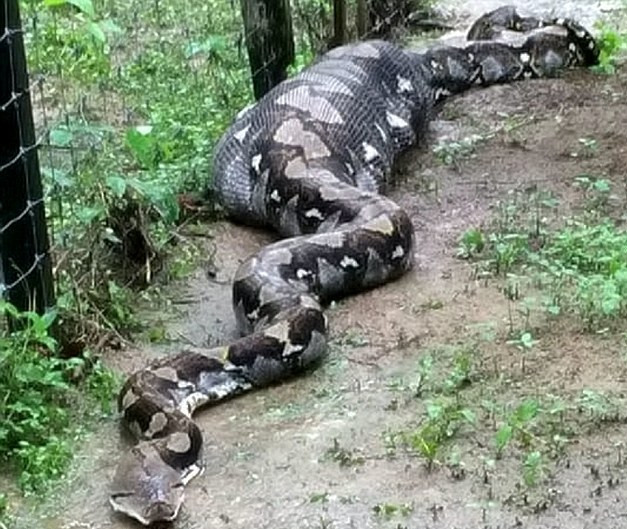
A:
(135, 97)
(578, 268)
(129, 99)
(132, 99)
(612, 42)
(457, 426)
(45, 401)
(549, 268)
(468, 400)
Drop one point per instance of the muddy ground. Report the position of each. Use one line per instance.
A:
(316, 452)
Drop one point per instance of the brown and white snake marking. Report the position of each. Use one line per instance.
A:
(310, 160)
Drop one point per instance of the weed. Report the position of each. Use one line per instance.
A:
(455, 464)
(343, 456)
(532, 468)
(452, 152)
(425, 369)
(325, 523)
(586, 267)
(612, 43)
(517, 426)
(508, 250)
(390, 510)
(524, 343)
(418, 380)
(471, 244)
(442, 420)
(599, 406)
(130, 127)
(596, 192)
(460, 375)
(38, 399)
(579, 268)
(588, 149)
(319, 497)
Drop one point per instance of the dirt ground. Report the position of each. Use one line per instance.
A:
(315, 452)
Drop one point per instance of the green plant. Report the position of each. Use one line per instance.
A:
(69, 37)
(38, 399)
(599, 406)
(507, 250)
(442, 420)
(577, 268)
(589, 148)
(517, 426)
(471, 244)
(532, 468)
(586, 267)
(417, 383)
(597, 192)
(460, 375)
(524, 343)
(452, 152)
(132, 123)
(343, 456)
(390, 510)
(612, 43)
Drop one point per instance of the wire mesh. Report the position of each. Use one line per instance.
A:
(25, 275)
(129, 97)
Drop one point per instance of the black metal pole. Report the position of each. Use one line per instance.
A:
(25, 272)
(269, 40)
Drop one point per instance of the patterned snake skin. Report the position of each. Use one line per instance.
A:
(310, 160)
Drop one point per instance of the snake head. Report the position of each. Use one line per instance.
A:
(146, 488)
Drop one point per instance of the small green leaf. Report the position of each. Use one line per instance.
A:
(602, 185)
(59, 177)
(88, 214)
(95, 30)
(48, 317)
(526, 411)
(526, 339)
(86, 6)
(468, 415)
(60, 136)
(117, 184)
(503, 437)
(143, 145)
(532, 467)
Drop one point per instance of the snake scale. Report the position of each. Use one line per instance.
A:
(311, 160)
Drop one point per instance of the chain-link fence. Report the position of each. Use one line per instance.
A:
(129, 98)
(25, 273)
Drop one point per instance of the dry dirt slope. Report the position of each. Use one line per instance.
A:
(323, 451)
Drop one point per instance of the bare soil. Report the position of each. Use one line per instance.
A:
(312, 453)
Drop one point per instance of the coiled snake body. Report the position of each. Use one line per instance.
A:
(310, 160)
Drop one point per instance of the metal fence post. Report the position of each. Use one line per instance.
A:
(269, 40)
(25, 271)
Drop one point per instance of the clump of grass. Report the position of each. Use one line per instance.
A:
(612, 44)
(578, 268)
(390, 510)
(345, 457)
(441, 422)
(135, 97)
(454, 151)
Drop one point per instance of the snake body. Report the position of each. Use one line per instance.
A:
(311, 160)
